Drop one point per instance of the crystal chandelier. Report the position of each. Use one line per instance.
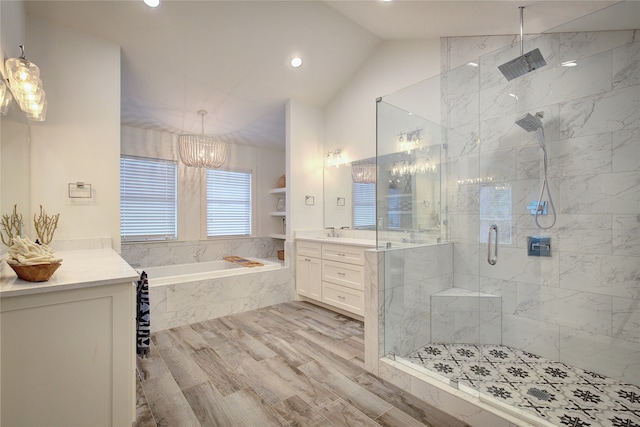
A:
(363, 173)
(202, 151)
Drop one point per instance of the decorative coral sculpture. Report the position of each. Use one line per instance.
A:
(12, 226)
(45, 226)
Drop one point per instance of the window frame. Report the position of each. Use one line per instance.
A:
(372, 206)
(137, 238)
(204, 226)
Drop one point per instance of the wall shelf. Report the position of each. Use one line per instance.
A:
(279, 218)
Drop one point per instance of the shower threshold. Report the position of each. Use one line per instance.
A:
(534, 388)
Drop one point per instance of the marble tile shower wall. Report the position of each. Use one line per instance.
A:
(170, 253)
(580, 306)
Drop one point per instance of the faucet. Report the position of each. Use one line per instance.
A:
(331, 231)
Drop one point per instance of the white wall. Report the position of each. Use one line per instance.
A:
(304, 138)
(80, 139)
(12, 30)
(350, 117)
(267, 165)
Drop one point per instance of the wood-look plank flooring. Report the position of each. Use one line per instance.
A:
(292, 364)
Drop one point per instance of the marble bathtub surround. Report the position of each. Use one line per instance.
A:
(152, 254)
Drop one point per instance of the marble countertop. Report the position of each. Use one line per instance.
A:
(79, 269)
(339, 241)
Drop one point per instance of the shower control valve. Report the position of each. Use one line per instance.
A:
(541, 207)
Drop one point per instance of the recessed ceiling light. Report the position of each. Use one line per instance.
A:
(296, 62)
(152, 3)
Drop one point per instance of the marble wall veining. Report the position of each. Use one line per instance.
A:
(152, 254)
(191, 302)
(580, 306)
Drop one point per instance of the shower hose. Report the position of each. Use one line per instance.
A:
(545, 184)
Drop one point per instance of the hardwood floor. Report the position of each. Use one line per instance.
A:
(291, 364)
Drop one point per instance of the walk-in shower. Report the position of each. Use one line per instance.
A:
(534, 124)
(526, 62)
(553, 340)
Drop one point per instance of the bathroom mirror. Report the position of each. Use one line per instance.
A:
(409, 192)
(15, 170)
(409, 138)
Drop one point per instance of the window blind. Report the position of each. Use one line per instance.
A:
(148, 199)
(228, 203)
(364, 205)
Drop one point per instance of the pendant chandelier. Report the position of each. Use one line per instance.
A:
(26, 86)
(363, 173)
(202, 151)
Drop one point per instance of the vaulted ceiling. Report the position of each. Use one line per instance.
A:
(232, 58)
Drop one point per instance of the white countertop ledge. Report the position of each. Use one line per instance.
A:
(339, 241)
(79, 269)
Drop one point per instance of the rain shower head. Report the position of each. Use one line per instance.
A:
(522, 65)
(532, 123)
(526, 62)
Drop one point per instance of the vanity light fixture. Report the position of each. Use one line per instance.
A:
(26, 86)
(152, 3)
(571, 63)
(202, 151)
(407, 141)
(336, 158)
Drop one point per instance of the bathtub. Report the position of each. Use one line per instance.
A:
(183, 294)
(182, 273)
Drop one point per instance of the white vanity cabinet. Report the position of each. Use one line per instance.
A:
(343, 277)
(68, 345)
(308, 270)
(331, 273)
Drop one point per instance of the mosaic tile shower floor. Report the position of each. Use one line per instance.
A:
(552, 392)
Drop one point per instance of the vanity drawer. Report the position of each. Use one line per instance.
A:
(311, 249)
(343, 253)
(349, 275)
(345, 298)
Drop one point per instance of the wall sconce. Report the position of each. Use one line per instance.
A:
(407, 141)
(26, 86)
(336, 158)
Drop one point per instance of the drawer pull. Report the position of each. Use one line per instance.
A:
(342, 255)
(341, 297)
(341, 273)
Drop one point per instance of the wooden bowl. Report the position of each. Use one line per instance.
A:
(281, 255)
(35, 273)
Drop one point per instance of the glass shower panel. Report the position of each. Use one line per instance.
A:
(410, 223)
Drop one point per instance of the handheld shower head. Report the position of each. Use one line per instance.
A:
(529, 122)
(532, 123)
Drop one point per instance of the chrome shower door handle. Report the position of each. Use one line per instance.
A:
(492, 260)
